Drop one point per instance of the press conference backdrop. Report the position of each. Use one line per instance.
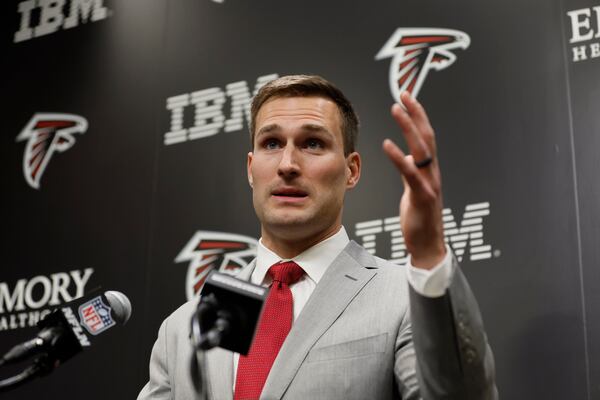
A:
(124, 142)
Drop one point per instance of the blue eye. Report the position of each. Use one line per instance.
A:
(314, 144)
(271, 144)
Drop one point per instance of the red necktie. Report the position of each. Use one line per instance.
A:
(273, 328)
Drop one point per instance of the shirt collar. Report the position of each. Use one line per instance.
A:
(314, 260)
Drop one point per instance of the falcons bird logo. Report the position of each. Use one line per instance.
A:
(207, 251)
(47, 133)
(415, 51)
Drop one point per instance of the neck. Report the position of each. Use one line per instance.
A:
(291, 247)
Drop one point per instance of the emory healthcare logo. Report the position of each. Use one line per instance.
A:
(585, 33)
(47, 133)
(416, 51)
(207, 251)
(29, 300)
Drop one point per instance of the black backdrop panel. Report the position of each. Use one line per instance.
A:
(581, 27)
(92, 208)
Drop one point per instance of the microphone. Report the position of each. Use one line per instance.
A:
(73, 327)
(227, 314)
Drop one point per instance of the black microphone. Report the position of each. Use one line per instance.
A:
(74, 326)
(227, 314)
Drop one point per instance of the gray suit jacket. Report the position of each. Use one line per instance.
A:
(363, 334)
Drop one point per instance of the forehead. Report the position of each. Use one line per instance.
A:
(300, 110)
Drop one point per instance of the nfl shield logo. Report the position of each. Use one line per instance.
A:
(95, 316)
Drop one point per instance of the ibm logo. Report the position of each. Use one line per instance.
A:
(51, 17)
(209, 118)
(467, 235)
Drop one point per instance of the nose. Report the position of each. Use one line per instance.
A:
(288, 164)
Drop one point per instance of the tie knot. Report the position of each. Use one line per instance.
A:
(286, 272)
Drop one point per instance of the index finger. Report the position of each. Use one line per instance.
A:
(420, 119)
(416, 145)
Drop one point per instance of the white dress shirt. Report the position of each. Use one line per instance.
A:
(315, 260)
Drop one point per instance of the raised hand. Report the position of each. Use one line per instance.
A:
(421, 202)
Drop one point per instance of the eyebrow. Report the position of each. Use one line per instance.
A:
(268, 129)
(315, 128)
(271, 128)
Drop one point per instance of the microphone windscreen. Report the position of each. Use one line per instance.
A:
(120, 305)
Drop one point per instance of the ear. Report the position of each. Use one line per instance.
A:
(353, 165)
(249, 169)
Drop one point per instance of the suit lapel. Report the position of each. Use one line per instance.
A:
(220, 361)
(342, 281)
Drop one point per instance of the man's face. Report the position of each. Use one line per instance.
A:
(298, 170)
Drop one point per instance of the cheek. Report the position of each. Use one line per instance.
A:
(333, 175)
(259, 171)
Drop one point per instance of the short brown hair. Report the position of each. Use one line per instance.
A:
(307, 86)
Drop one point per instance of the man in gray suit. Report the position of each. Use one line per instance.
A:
(362, 328)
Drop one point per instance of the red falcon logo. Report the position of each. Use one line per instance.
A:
(415, 51)
(47, 133)
(225, 252)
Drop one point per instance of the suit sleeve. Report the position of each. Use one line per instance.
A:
(159, 384)
(453, 357)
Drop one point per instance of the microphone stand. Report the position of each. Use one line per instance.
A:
(198, 367)
(41, 366)
(203, 341)
(226, 304)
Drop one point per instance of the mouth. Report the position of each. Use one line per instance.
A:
(289, 194)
